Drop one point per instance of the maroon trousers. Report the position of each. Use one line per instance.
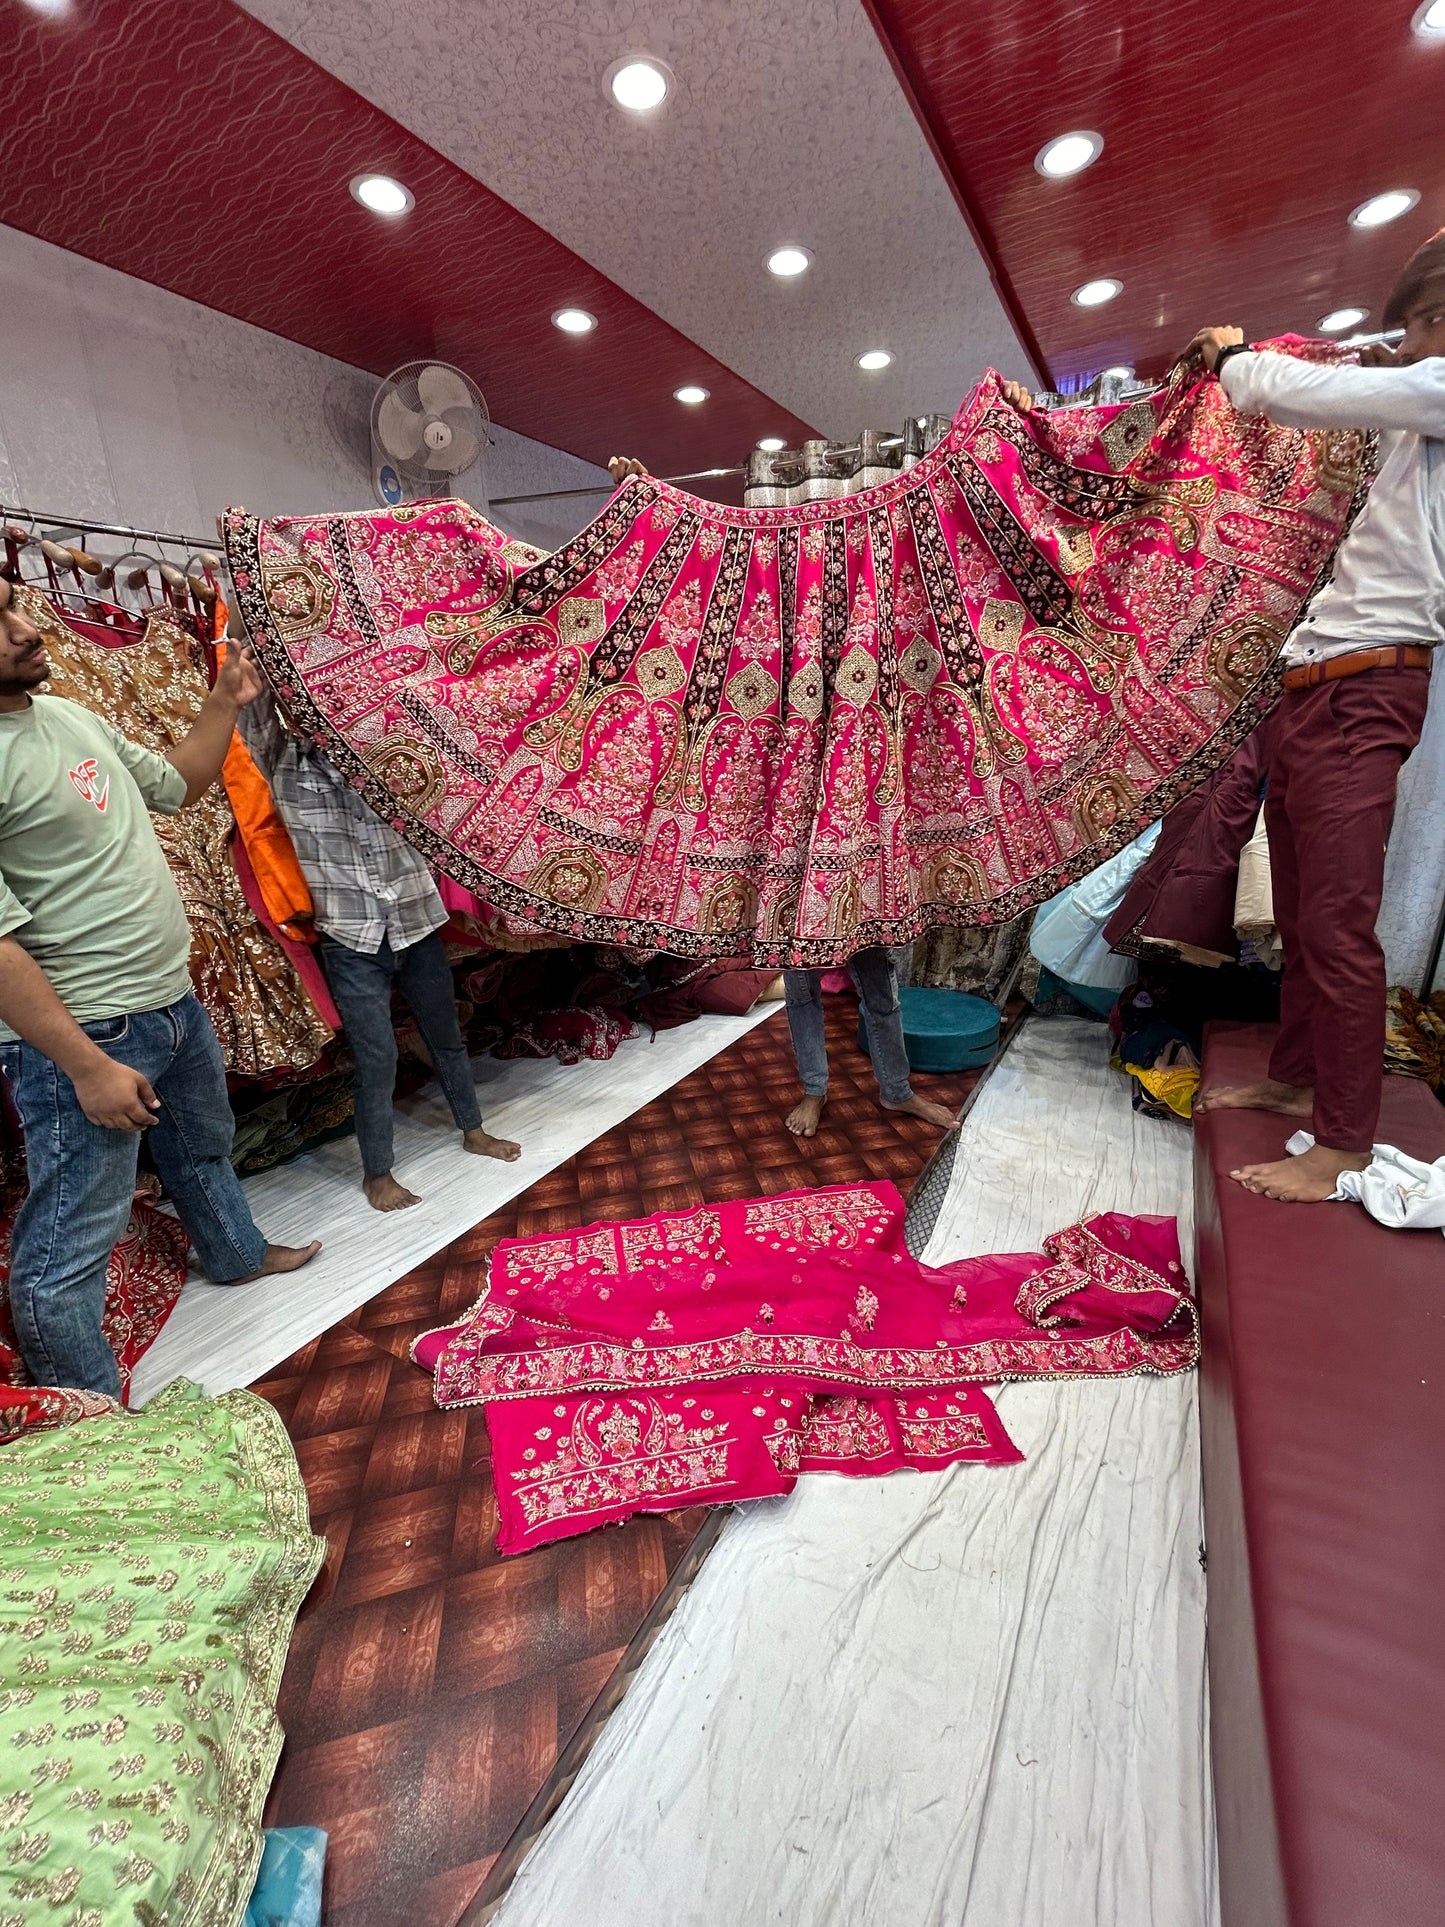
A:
(1334, 754)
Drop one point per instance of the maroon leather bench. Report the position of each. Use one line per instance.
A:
(1322, 1399)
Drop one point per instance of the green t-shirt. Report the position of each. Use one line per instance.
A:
(84, 885)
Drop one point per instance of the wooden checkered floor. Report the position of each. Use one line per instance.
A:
(432, 1684)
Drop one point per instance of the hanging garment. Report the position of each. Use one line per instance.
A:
(152, 690)
(787, 734)
(1182, 898)
(1254, 923)
(1068, 931)
(1414, 890)
(714, 1354)
(979, 961)
(302, 953)
(1415, 1035)
(155, 1563)
(266, 840)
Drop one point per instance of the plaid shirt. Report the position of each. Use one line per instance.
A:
(366, 883)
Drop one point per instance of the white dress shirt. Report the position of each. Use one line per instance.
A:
(1389, 579)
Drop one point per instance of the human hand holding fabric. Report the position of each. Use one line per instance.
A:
(239, 679)
(1210, 343)
(623, 467)
(1017, 396)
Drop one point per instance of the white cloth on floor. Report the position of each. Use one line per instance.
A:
(1068, 932)
(1398, 1190)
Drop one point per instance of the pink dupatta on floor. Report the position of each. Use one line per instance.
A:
(714, 1354)
(780, 735)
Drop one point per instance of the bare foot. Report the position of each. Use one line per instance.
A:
(1308, 1179)
(280, 1258)
(386, 1194)
(1293, 1100)
(803, 1119)
(925, 1108)
(487, 1146)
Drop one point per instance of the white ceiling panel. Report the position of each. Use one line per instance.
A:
(786, 124)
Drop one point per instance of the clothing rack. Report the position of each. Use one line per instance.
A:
(82, 525)
(115, 582)
(606, 488)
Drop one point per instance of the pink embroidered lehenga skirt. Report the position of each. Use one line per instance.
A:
(781, 735)
(715, 1354)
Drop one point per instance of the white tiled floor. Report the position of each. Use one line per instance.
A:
(223, 1337)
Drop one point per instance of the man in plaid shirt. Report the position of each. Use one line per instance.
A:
(378, 913)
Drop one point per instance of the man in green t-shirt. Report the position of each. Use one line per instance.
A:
(101, 1036)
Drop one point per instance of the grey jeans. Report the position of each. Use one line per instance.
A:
(361, 986)
(875, 976)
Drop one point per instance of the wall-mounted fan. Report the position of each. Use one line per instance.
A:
(429, 426)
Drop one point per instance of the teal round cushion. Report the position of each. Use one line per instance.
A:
(944, 1030)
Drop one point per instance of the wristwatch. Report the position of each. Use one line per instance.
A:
(1234, 348)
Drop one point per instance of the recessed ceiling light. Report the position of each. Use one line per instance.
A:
(691, 394)
(786, 262)
(1381, 208)
(770, 444)
(1338, 319)
(1118, 373)
(1094, 294)
(1069, 154)
(382, 194)
(875, 358)
(574, 321)
(638, 84)
(52, 9)
(1430, 20)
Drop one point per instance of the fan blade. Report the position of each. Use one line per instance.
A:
(461, 451)
(442, 388)
(398, 428)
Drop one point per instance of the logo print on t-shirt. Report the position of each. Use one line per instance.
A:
(86, 778)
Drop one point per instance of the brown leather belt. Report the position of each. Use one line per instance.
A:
(1404, 655)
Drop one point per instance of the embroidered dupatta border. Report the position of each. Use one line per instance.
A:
(613, 1366)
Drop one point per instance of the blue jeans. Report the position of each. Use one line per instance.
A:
(362, 988)
(875, 977)
(82, 1177)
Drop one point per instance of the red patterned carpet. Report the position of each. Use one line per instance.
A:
(432, 1685)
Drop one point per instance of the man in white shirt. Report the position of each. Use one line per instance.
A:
(1357, 678)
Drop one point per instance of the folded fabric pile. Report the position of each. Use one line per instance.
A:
(1415, 1036)
(151, 1571)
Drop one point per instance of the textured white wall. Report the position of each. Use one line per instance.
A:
(124, 403)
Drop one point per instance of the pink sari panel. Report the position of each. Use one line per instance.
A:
(715, 1354)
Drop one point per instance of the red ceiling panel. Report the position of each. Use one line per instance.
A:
(1236, 144)
(183, 142)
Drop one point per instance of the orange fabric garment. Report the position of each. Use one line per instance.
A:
(284, 889)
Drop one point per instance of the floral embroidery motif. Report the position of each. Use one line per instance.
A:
(694, 1235)
(841, 1219)
(865, 1308)
(629, 1454)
